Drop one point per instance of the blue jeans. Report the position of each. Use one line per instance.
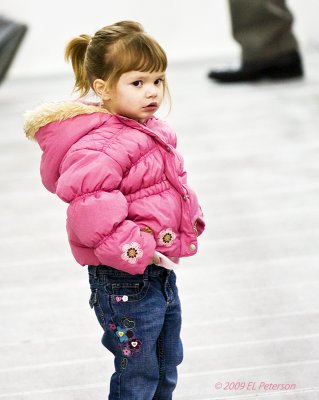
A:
(141, 319)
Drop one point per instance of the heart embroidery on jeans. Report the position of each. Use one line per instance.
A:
(121, 298)
(129, 343)
(128, 323)
(134, 344)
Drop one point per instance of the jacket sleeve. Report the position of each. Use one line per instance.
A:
(97, 212)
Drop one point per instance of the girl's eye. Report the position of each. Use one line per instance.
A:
(158, 81)
(137, 83)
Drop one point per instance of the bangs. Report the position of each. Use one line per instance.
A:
(138, 52)
(143, 54)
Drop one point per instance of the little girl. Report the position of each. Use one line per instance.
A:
(131, 214)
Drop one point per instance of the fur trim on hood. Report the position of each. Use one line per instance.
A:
(52, 112)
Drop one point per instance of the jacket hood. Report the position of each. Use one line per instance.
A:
(56, 127)
(55, 112)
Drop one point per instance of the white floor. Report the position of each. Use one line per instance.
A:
(250, 297)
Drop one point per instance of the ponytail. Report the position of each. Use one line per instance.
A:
(76, 52)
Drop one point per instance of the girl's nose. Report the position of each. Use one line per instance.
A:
(151, 92)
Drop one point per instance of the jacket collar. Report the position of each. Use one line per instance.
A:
(151, 127)
(53, 112)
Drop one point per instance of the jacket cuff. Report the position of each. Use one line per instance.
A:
(132, 256)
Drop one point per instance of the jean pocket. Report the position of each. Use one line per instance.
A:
(96, 304)
(128, 291)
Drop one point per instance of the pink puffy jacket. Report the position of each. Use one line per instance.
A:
(124, 182)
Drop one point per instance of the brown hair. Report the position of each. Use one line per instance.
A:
(112, 51)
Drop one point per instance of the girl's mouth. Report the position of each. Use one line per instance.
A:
(151, 106)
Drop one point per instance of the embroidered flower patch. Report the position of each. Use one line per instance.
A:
(129, 344)
(131, 252)
(166, 237)
(112, 326)
(121, 334)
(126, 352)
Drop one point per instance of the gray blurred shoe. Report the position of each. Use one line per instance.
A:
(287, 66)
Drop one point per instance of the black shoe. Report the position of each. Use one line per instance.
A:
(11, 35)
(287, 66)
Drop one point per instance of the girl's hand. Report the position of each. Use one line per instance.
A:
(156, 259)
(147, 230)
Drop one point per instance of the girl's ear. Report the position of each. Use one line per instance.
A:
(100, 88)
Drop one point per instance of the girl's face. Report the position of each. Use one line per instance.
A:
(137, 95)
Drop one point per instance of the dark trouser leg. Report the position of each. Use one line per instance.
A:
(263, 28)
(269, 48)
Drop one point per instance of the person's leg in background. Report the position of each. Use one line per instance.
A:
(263, 29)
